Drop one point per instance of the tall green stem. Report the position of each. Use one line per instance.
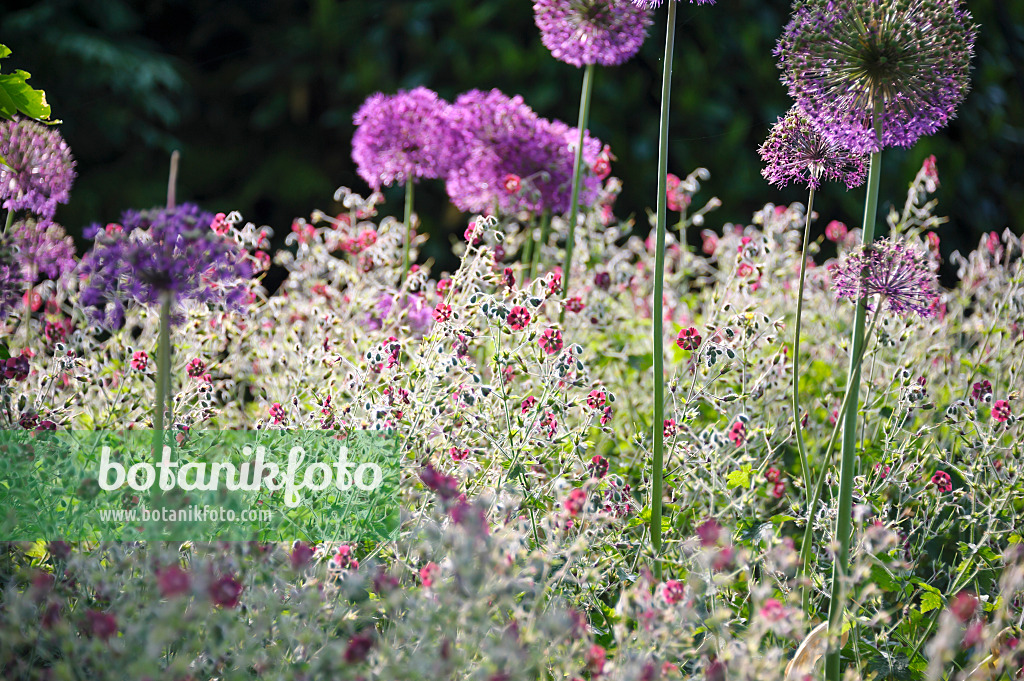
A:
(408, 228)
(805, 468)
(844, 523)
(658, 332)
(545, 231)
(163, 371)
(7, 223)
(577, 173)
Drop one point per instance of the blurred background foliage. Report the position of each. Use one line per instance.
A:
(259, 97)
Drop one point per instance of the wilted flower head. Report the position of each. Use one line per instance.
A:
(897, 274)
(508, 138)
(162, 250)
(404, 137)
(843, 58)
(794, 152)
(41, 167)
(578, 32)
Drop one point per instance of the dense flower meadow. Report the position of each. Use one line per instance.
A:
(788, 453)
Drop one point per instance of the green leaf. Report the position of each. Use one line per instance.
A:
(740, 478)
(17, 96)
(779, 519)
(4, 352)
(930, 601)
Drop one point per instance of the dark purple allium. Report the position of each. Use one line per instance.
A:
(842, 58)
(648, 4)
(508, 138)
(578, 32)
(794, 152)
(43, 249)
(892, 271)
(162, 250)
(402, 137)
(42, 169)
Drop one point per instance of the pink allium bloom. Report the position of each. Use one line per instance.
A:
(405, 137)
(40, 169)
(897, 274)
(842, 59)
(578, 32)
(575, 501)
(773, 611)
(795, 152)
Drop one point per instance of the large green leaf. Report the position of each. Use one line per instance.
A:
(17, 96)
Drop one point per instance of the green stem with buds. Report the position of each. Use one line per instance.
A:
(658, 333)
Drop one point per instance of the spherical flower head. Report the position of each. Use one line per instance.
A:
(578, 32)
(897, 274)
(41, 169)
(648, 4)
(12, 281)
(43, 249)
(795, 152)
(160, 251)
(508, 138)
(404, 138)
(909, 59)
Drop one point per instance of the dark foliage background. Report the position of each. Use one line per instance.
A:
(259, 97)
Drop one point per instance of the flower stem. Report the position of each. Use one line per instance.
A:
(577, 173)
(163, 371)
(7, 223)
(545, 231)
(657, 320)
(172, 180)
(815, 490)
(408, 228)
(805, 469)
(846, 470)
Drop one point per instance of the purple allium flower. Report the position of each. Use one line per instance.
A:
(647, 4)
(842, 58)
(162, 250)
(402, 137)
(578, 32)
(12, 281)
(43, 249)
(795, 152)
(508, 138)
(892, 271)
(42, 169)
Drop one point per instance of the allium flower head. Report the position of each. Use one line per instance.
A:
(404, 137)
(43, 249)
(897, 274)
(162, 250)
(578, 32)
(794, 152)
(42, 169)
(647, 4)
(508, 138)
(910, 58)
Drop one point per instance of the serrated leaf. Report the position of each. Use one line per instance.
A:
(930, 601)
(739, 478)
(17, 96)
